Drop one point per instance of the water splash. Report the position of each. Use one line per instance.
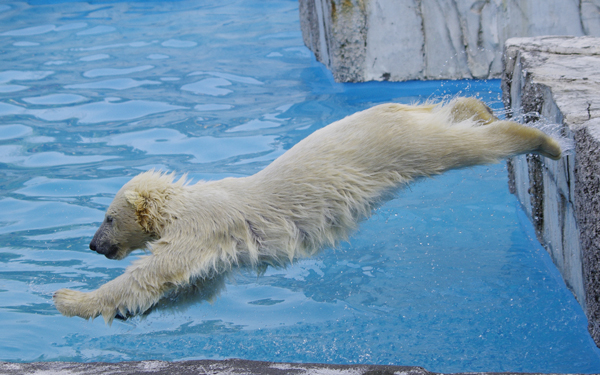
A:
(557, 132)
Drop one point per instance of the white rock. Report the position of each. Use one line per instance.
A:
(558, 79)
(400, 40)
(394, 51)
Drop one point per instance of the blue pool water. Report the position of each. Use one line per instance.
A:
(447, 276)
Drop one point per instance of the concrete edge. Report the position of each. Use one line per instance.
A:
(554, 78)
(202, 367)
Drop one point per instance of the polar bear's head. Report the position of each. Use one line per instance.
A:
(136, 216)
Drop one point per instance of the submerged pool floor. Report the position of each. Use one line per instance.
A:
(448, 276)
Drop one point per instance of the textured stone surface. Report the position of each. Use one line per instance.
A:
(335, 30)
(587, 189)
(397, 40)
(557, 79)
(230, 367)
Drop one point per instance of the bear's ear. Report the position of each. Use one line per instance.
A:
(147, 209)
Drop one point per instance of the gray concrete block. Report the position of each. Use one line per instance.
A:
(400, 40)
(556, 80)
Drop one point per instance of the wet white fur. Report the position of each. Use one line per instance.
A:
(309, 198)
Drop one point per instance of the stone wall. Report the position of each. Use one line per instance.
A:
(557, 79)
(398, 40)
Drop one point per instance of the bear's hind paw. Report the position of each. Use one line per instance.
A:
(471, 109)
(550, 148)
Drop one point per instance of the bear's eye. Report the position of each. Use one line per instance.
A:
(109, 219)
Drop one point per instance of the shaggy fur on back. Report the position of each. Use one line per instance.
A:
(310, 197)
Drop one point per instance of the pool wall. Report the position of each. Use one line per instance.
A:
(360, 40)
(555, 80)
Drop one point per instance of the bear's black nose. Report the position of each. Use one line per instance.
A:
(93, 245)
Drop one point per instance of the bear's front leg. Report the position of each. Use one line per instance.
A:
(90, 305)
(139, 288)
(85, 305)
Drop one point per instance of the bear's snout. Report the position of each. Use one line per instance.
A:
(108, 251)
(100, 244)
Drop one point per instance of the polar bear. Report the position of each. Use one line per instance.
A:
(310, 197)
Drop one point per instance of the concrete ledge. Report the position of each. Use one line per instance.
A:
(229, 366)
(557, 79)
(399, 40)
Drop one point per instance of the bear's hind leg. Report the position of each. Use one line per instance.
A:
(526, 139)
(469, 146)
(507, 137)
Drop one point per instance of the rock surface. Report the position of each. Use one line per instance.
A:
(200, 367)
(207, 367)
(398, 40)
(557, 79)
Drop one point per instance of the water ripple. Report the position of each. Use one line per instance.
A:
(18, 155)
(52, 187)
(26, 44)
(102, 29)
(99, 56)
(94, 113)
(111, 46)
(115, 71)
(208, 86)
(12, 88)
(203, 149)
(179, 43)
(19, 75)
(18, 215)
(230, 77)
(14, 131)
(114, 84)
(34, 30)
(43, 29)
(55, 99)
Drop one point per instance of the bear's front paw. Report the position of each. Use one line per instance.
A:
(74, 303)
